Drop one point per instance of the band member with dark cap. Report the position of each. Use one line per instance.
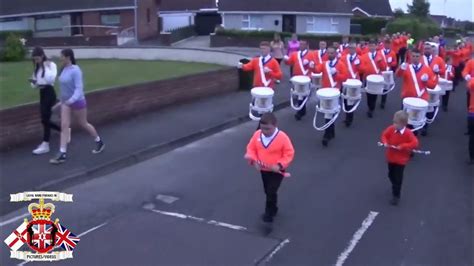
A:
(271, 152)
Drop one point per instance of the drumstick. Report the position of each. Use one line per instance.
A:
(380, 144)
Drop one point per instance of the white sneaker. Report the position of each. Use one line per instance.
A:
(69, 136)
(42, 148)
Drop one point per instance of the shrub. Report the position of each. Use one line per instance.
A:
(370, 25)
(14, 49)
(420, 28)
(21, 33)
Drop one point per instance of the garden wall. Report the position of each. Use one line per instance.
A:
(22, 123)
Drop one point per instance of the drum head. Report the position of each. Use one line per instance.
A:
(316, 75)
(415, 102)
(262, 92)
(375, 79)
(328, 93)
(353, 83)
(388, 72)
(436, 90)
(301, 79)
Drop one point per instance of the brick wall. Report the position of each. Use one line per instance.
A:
(109, 40)
(147, 29)
(21, 124)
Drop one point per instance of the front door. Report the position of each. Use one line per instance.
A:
(289, 23)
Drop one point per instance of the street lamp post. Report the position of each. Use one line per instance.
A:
(136, 21)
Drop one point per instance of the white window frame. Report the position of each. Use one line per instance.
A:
(311, 21)
(110, 14)
(43, 19)
(248, 19)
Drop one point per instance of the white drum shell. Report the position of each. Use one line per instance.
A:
(446, 85)
(328, 100)
(388, 77)
(352, 89)
(317, 78)
(416, 109)
(262, 98)
(301, 86)
(375, 84)
(435, 96)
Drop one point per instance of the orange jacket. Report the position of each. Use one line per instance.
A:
(435, 60)
(337, 79)
(255, 65)
(449, 73)
(389, 57)
(396, 44)
(368, 63)
(442, 52)
(352, 64)
(466, 54)
(470, 87)
(406, 142)
(362, 50)
(279, 151)
(307, 58)
(409, 88)
(469, 70)
(457, 56)
(320, 56)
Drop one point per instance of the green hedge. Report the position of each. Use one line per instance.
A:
(182, 33)
(21, 33)
(420, 28)
(370, 25)
(286, 35)
(13, 49)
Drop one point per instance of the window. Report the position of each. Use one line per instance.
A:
(251, 22)
(322, 25)
(148, 16)
(48, 23)
(110, 19)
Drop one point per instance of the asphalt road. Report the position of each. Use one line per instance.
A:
(333, 209)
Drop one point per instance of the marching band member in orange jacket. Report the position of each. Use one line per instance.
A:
(352, 62)
(405, 141)
(458, 56)
(417, 78)
(372, 64)
(468, 75)
(303, 62)
(270, 150)
(362, 48)
(321, 55)
(448, 75)
(266, 69)
(390, 59)
(334, 74)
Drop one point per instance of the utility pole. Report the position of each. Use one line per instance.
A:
(136, 21)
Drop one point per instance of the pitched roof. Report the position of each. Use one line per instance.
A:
(373, 7)
(307, 6)
(185, 5)
(17, 7)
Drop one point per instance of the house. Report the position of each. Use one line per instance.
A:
(443, 21)
(372, 8)
(177, 14)
(298, 16)
(63, 18)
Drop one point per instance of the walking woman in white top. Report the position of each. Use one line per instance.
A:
(43, 78)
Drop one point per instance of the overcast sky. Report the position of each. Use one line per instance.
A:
(458, 9)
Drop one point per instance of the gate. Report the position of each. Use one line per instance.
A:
(206, 22)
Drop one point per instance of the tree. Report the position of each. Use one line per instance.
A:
(398, 13)
(419, 8)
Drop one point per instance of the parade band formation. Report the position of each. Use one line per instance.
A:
(428, 72)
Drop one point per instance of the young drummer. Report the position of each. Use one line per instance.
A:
(302, 62)
(404, 141)
(334, 74)
(321, 55)
(270, 150)
(266, 69)
(372, 64)
(448, 75)
(417, 77)
(352, 63)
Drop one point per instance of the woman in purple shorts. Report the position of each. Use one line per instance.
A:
(73, 101)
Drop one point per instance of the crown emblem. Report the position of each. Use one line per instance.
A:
(41, 211)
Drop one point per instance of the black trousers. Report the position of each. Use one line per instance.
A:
(445, 99)
(301, 112)
(458, 75)
(470, 120)
(395, 174)
(371, 101)
(47, 101)
(349, 116)
(330, 132)
(401, 55)
(279, 60)
(271, 183)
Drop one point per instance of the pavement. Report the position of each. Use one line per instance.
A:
(199, 203)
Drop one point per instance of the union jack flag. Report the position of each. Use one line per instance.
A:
(65, 238)
(42, 235)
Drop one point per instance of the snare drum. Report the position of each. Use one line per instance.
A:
(375, 84)
(416, 109)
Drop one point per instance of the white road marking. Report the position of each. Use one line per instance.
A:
(79, 235)
(278, 248)
(198, 219)
(356, 237)
(166, 198)
(14, 219)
